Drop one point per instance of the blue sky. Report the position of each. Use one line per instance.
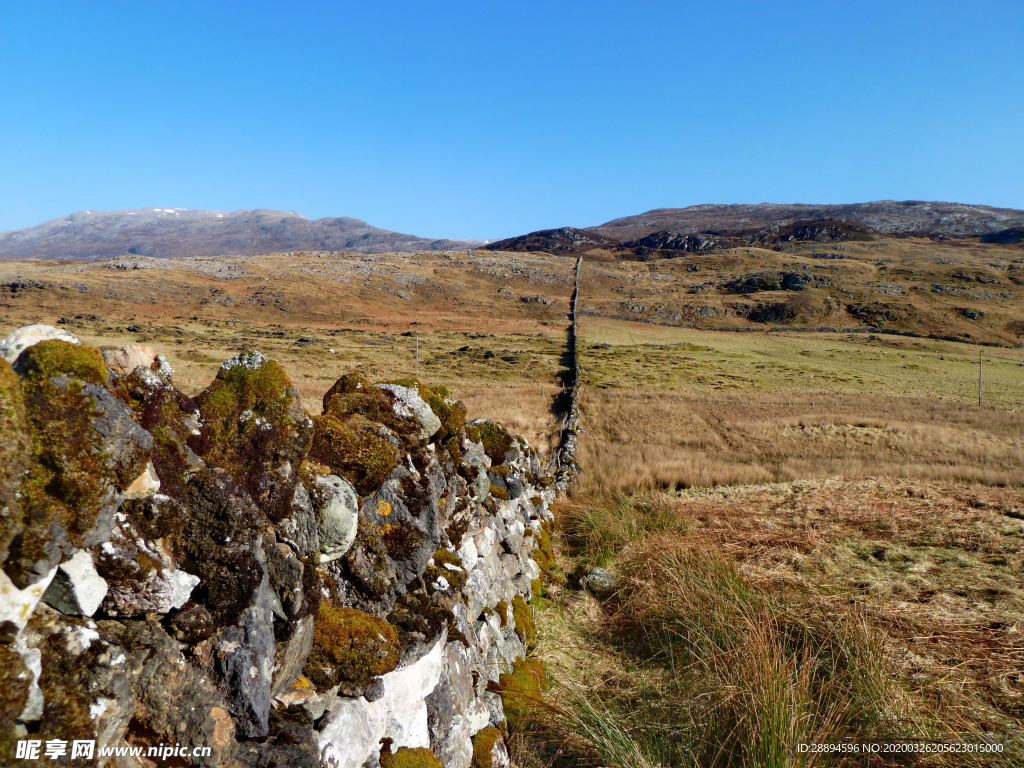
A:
(493, 119)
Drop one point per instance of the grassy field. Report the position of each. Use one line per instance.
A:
(667, 408)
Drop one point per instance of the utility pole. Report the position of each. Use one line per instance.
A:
(981, 363)
(417, 355)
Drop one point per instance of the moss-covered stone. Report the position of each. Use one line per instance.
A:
(521, 690)
(499, 493)
(502, 610)
(405, 757)
(253, 426)
(15, 446)
(71, 470)
(352, 449)
(456, 576)
(352, 646)
(483, 747)
(497, 441)
(14, 684)
(56, 358)
(526, 627)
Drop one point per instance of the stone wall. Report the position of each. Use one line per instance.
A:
(566, 465)
(228, 572)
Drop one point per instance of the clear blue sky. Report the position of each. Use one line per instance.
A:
(490, 119)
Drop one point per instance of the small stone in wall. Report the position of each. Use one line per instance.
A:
(76, 589)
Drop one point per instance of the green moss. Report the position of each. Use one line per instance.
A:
(352, 449)
(521, 689)
(346, 385)
(251, 423)
(14, 438)
(374, 404)
(68, 474)
(441, 558)
(54, 358)
(496, 441)
(418, 757)
(537, 501)
(499, 493)
(502, 610)
(14, 684)
(473, 433)
(526, 627)
(350, 645)
(483, 747)
(536, 586)
(401, 539)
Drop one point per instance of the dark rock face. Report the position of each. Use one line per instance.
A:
(775, 281)
(673, 241)
(194, 529)
(564, 240)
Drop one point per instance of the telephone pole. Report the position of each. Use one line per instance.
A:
(417, 355)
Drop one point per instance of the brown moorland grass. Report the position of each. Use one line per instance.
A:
(645, 439)
(754, 619)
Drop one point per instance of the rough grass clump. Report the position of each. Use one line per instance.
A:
(599, 529)
(483, 747)
(352, 646)
(526, 627)
(521, 690)
(56, 358)
(353, 450)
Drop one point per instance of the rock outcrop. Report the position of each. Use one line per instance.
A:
(230, 574)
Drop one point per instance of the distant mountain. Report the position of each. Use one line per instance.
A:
(180, 232)
(890, 217)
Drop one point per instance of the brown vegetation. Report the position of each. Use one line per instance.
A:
(643, 439)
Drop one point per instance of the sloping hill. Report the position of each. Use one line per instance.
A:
(180, 232)
(908, 217)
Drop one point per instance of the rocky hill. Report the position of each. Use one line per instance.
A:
(890, 217)
(181, 232)
(667, 232)
(228, 574)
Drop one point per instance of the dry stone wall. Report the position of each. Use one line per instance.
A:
(227, 573)
(566, 465)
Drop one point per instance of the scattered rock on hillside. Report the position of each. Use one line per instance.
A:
(27, 336)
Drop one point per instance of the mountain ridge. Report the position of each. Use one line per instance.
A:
(184, 232)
